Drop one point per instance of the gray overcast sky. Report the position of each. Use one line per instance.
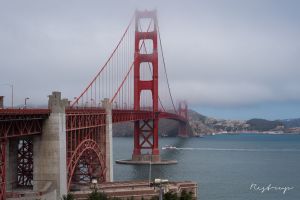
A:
(239, 59)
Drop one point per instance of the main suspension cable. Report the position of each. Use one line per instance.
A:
(165, 69)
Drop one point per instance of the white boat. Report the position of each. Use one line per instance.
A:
(168, 147)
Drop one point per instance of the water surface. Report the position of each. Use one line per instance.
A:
(225, 166)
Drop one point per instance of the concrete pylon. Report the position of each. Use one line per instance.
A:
(11, 164)
(49, 150)
(109, 141)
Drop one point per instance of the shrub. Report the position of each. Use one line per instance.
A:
(68, 197)
(170, 196)
(95, 195)
(186, 196)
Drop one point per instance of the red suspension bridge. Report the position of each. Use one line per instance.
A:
(69, 142)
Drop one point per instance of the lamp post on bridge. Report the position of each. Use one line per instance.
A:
(25, 104)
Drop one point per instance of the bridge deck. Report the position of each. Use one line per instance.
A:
(22, 122)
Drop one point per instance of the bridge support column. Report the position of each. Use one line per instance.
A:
(183, 111)
(146, 147)
(182, 130)
(12, 164)
(146, 131)
(109, 141)
(50, 167)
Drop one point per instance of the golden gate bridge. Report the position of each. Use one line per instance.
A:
(68, 143)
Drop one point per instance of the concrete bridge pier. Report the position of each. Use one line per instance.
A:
(108, 140)
(11, 164)
(49, 150)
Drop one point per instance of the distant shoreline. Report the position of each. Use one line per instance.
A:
(228, 134)
(258, 132)
(249, 133)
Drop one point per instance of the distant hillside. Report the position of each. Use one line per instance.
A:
(203, 125)
(263, 125)
(198, 123)
(196, 116)
(291, 123)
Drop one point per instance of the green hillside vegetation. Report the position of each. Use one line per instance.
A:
(263, 125)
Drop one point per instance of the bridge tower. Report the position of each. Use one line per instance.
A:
(183, 112)
(183, 109)
(146, 131)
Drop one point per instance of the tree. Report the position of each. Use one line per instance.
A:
(97, 196)
(170, 196)
(68, 197)
(186, 196)
(154, 198)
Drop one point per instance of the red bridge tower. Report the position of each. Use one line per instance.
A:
(183, 112)
(146, 131)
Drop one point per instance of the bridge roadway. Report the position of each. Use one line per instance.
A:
(24, 122)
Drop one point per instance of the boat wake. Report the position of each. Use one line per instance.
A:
(230, 149)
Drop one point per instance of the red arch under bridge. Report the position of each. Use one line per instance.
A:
(134, 83)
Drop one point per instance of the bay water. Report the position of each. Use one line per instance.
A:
(226, 167)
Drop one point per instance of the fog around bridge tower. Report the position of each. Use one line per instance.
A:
(237, 59)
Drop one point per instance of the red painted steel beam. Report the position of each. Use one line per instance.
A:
(23, 112)
(85, 129)
(146, 35)
(21, 122)
(145, 14)
(176, 117)
(130, 115)
(85, 146)
(133, 115)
